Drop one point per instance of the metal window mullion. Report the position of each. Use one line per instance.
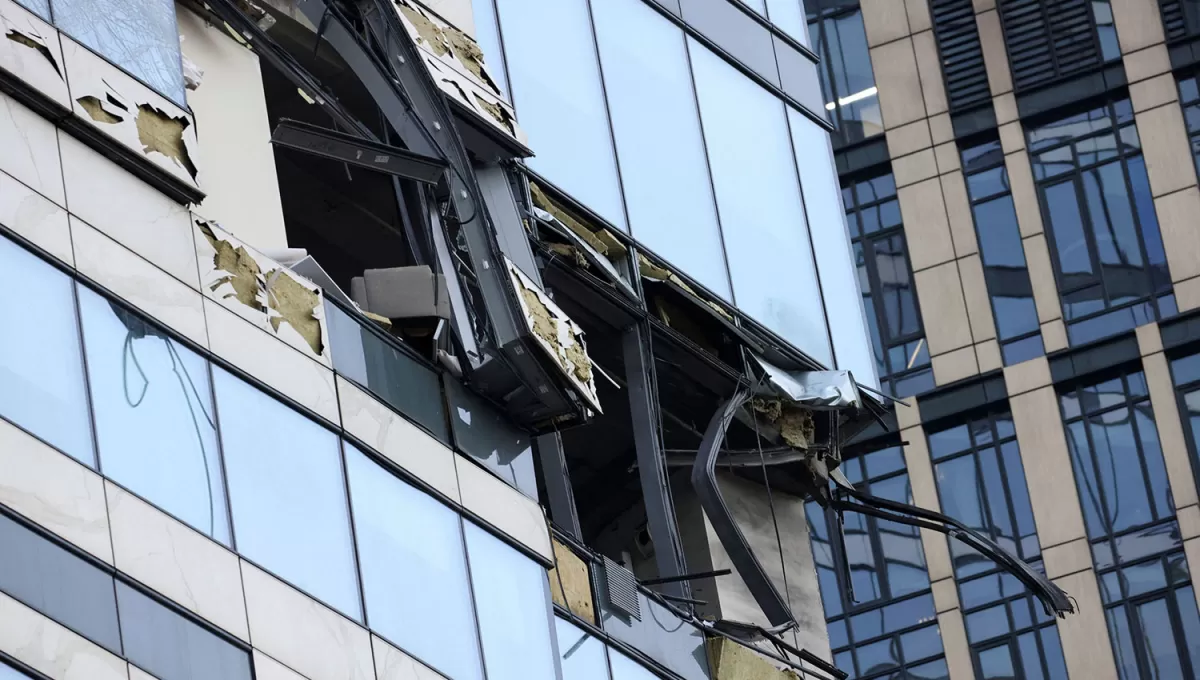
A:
(1141, 453)
(1102, 497)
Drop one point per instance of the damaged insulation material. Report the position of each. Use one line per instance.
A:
(795, 425)
(162, 132)
(556, 333)
(95, 110)
(604, 242)
(274, 293)
(34, 44)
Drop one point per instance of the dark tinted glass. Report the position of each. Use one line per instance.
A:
(735, 32)
(391, 375)
(172, 647)
(60, 585)
(483, 433)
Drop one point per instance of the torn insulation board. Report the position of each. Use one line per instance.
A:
(556, 333)
(654, 272)
(30, 51)
(261, 290)
(145, 122)
(457, 65)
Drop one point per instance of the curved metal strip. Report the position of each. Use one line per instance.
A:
(704, 479)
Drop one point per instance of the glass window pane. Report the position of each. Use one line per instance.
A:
(9, 673)
(735, 32)
(836, 265)
(140, 36)
(391, 375)
(41, 367)
(1067, 223)
(414, 569)
(42, 9)
(560, 100)
(483, 433)
(155, 424)
(661, 635)
(512, 600)
(624, 668)
(580, 654)
(789, 16)
(758, 197)
(1159, 636)
(58, 584)
(1122, 642)
(659, 144)
(487, 34)
(287, 494)
(173, 648)
(1185, 600)
(996, 663)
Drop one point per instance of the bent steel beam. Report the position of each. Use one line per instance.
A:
(704, 479)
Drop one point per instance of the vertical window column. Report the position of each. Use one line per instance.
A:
(886, 282)
(1002, 253)
(1137, 550)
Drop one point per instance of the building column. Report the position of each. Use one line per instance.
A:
(1054, 497)
(947, 271)
(1020, 177)
(1165, 144)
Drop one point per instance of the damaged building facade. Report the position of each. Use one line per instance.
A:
(505, 339)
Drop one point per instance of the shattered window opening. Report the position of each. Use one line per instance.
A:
(140, 36)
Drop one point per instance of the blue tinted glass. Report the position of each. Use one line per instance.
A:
(934, 670)
(287, 494)
(999, 235)
(982, 155)
(1106, 30)
(560, 101)
(1186, 369)
(996, 663)
(1111, 219)
(1122, 483)
(837, 633)
(987, 183)
(483, 433)
(42, 9)
(1159, 637)
(1017, 351)
(1053, 163)
(1018, 497)
(1122, 643)
(1144, 578)
(1067, 224)
(1054, 654)
(1188, 91)
(140, 36)
(980, 591)
(1085, 477)
(1031, 656)
(883, 462)
(659, 143)
(921, 644)
(949, 441)
(41, 366)
(155, 424)
(846, 75)
(1000, 522)
(581, 655)
(1156, 257)
(9, 673)
(1185, 600)
(987, 624)
(878, 657)
(414, 570)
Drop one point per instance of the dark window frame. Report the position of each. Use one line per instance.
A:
(817, 18)
(1182, 390)
(919, 366)
(1011, 638)
(1019, 340)
(1159, 302)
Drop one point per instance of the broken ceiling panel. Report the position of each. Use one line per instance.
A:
(457, 65)
(30, 51)
(145, 122)
(556, 333)
(261, 290)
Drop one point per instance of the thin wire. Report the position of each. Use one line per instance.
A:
(175, 364)
(767, 482)
(126, 353)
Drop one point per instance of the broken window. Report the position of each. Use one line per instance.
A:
(156, 427)
(414, 569)
(41, 364)
(482, 432)
(287, 494)
(140, 36)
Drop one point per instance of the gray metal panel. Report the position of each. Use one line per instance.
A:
(502, 206)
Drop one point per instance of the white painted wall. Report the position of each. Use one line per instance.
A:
(237, 164)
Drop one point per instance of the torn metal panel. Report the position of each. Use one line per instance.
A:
(556, 333)
(123, 109)
(31, 54)
(825, 390)
(510, 228)
(262, 291)
(704, 480)
(457, 65)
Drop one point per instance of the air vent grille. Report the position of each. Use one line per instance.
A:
(620, 587)
(962, 57)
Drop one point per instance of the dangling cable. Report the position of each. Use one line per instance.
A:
(175, 364)
(126, 353)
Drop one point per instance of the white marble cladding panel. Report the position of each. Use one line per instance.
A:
(393, 664)
(261, 291)
(266, 668)
(138, 282)
(403, 443)
(30, 50)
(51, 649)
(177, 561)
(54, 491)
(303, 633)
(33, 217)
(131, 113)
(304, 380)
(128, 210)
(30, 145)
(136, 673)
(504, 507)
